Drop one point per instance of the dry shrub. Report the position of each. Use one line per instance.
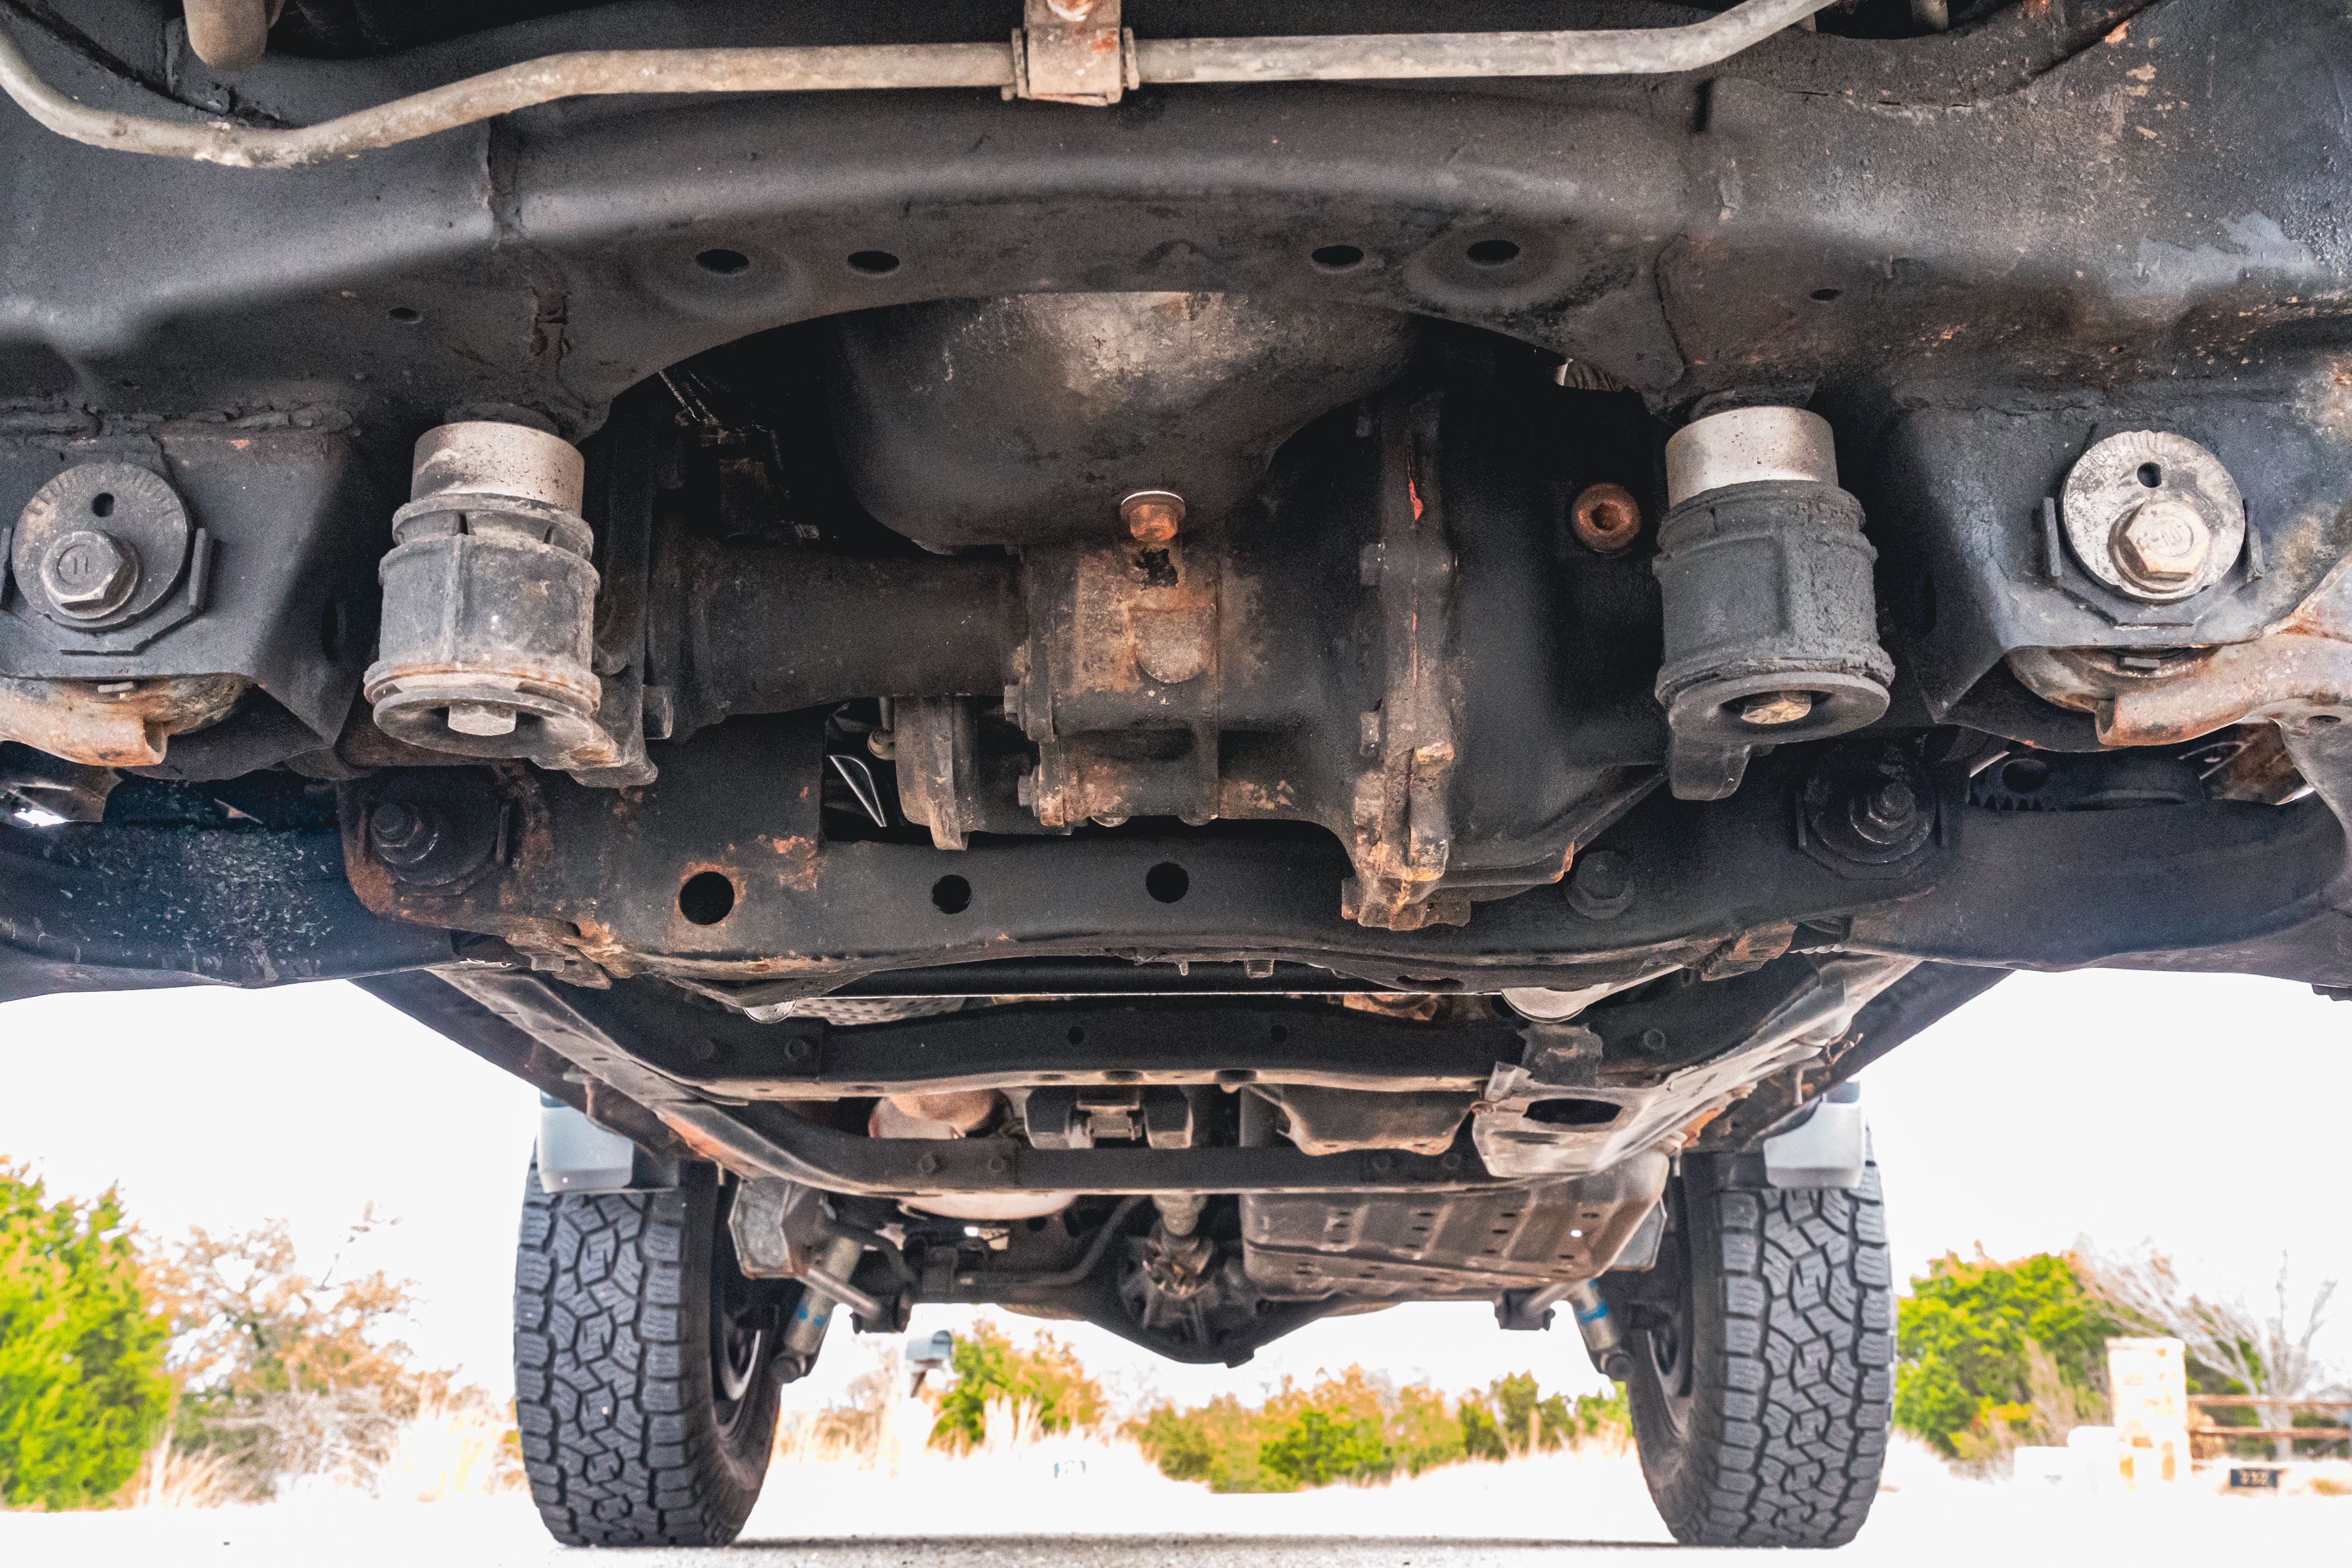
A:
(170, 1477)
(458, 1445)
(854, 1429)
(282, 1372)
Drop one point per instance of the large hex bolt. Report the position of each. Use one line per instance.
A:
(1601, 885)
(2163, 545)
(2153, 515)
(102, 544)
(88, 574)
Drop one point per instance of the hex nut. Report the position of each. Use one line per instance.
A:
(1607, 519)
(404, 835)
(1152, 517)
(1886, 814)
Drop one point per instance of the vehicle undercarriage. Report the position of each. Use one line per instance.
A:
(1030, 673)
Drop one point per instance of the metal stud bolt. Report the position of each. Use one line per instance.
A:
(1884, 814)
(1772, 709)
(403, 836)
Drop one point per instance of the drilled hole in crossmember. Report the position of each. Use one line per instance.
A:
(1168, 881)
(706, 898)
(1573, 1113)
(952, 895)
(2024, 774)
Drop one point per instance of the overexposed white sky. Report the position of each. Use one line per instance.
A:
(2203, 1112)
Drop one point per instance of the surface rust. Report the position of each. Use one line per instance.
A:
(114, 724)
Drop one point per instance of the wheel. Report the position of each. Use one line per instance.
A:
(644, 1378)
(1760, 1374)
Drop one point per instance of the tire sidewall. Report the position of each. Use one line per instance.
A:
(743, 1443)
(1675, 1427)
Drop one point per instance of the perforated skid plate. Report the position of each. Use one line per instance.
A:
(1472, 1244)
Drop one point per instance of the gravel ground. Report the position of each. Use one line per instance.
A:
(469, 1535)
(1008, 1515)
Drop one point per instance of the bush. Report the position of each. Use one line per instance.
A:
(1314, 1448)
(83, 1388)
(1350, 1427)
(1989, 1354)
(284, 1373)
(1045, 1377)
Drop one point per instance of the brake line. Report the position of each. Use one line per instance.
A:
(1395, 56)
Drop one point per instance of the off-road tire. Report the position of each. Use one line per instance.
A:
(626, 1438)
(1762, 1417)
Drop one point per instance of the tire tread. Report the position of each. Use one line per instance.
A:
(606, 1370)
(1790, 1405)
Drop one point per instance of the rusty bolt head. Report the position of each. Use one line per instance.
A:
(1607, 520)
(88, 574)
(403, 836)
(1884, 813)
(1152, 517)
(2162, 545)
(1772, 709)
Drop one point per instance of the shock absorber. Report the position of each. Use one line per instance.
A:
(1602, 1341)
(825, 1284)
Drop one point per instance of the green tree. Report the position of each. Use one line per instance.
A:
(1354, 1426)
(1424, 1432)
(1984, 1347)
(1046, 1375)
(1315, 1448)
(1217, 1443)
(83, 1388)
